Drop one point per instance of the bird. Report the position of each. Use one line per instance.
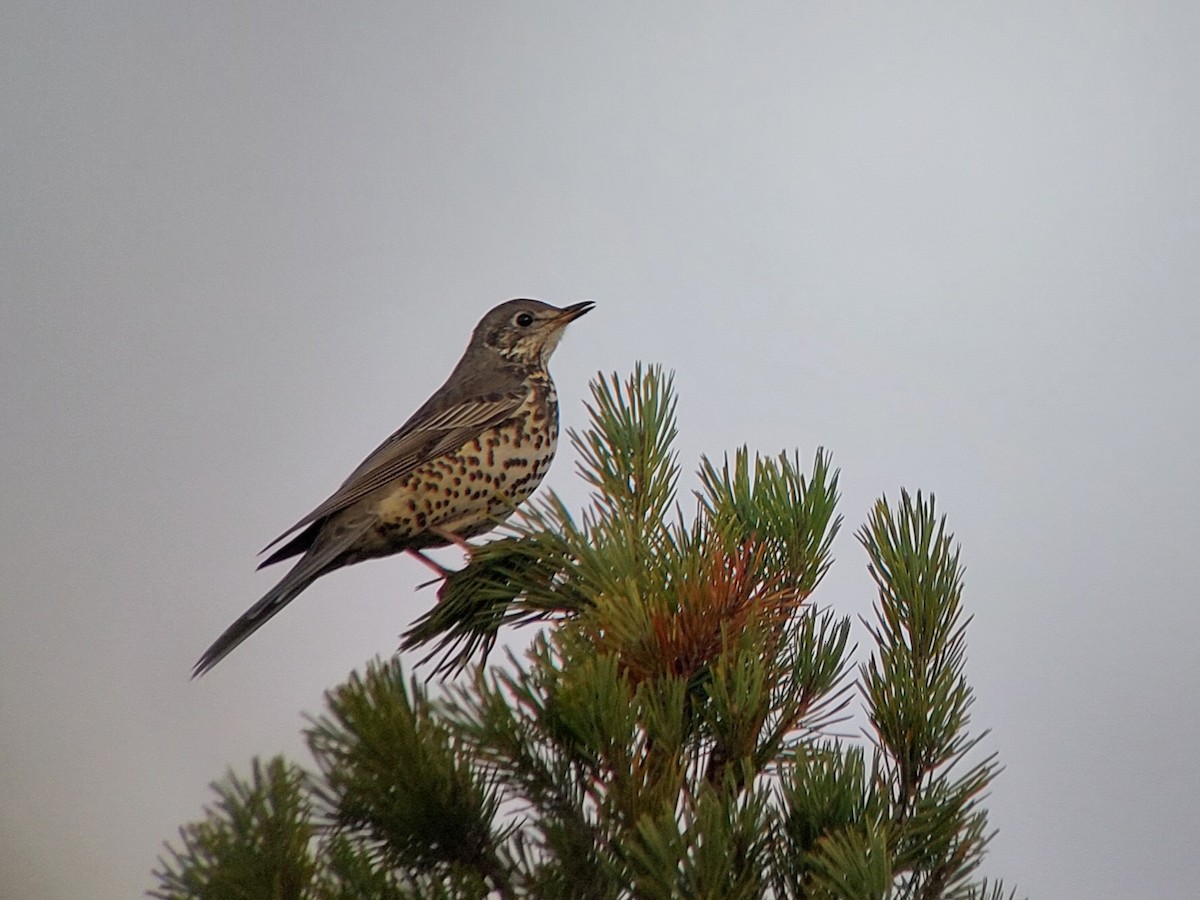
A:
(458, 467)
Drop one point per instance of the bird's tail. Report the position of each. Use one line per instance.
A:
(300, 577)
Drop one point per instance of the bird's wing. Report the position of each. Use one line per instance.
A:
(427, 435)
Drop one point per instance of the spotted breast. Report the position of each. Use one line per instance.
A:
(467, 492)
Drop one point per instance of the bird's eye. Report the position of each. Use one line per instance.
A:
(524, 320)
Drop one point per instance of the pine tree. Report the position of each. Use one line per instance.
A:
(676, 731)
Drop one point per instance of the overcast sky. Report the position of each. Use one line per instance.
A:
(954, 243)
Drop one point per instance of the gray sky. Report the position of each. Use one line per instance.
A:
(955, 243)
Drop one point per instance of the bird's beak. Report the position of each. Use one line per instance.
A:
(574, 311)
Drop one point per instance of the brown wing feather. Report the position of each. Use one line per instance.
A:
(424, 437)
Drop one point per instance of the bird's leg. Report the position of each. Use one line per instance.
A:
(444, 574)
(451, 538)
(441, 570)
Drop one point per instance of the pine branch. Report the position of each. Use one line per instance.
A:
(252, 843)
(397, 781)
(773, 502)
(511, 581)
(918, 699)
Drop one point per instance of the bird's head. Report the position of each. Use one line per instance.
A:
(526, 331)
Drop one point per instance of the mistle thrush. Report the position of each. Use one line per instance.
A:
(456, 469)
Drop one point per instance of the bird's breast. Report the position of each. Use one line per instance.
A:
(466, 492)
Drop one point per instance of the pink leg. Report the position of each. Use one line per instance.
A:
(451, 538)
(442, 571)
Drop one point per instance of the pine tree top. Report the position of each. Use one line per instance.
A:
(672, 733)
